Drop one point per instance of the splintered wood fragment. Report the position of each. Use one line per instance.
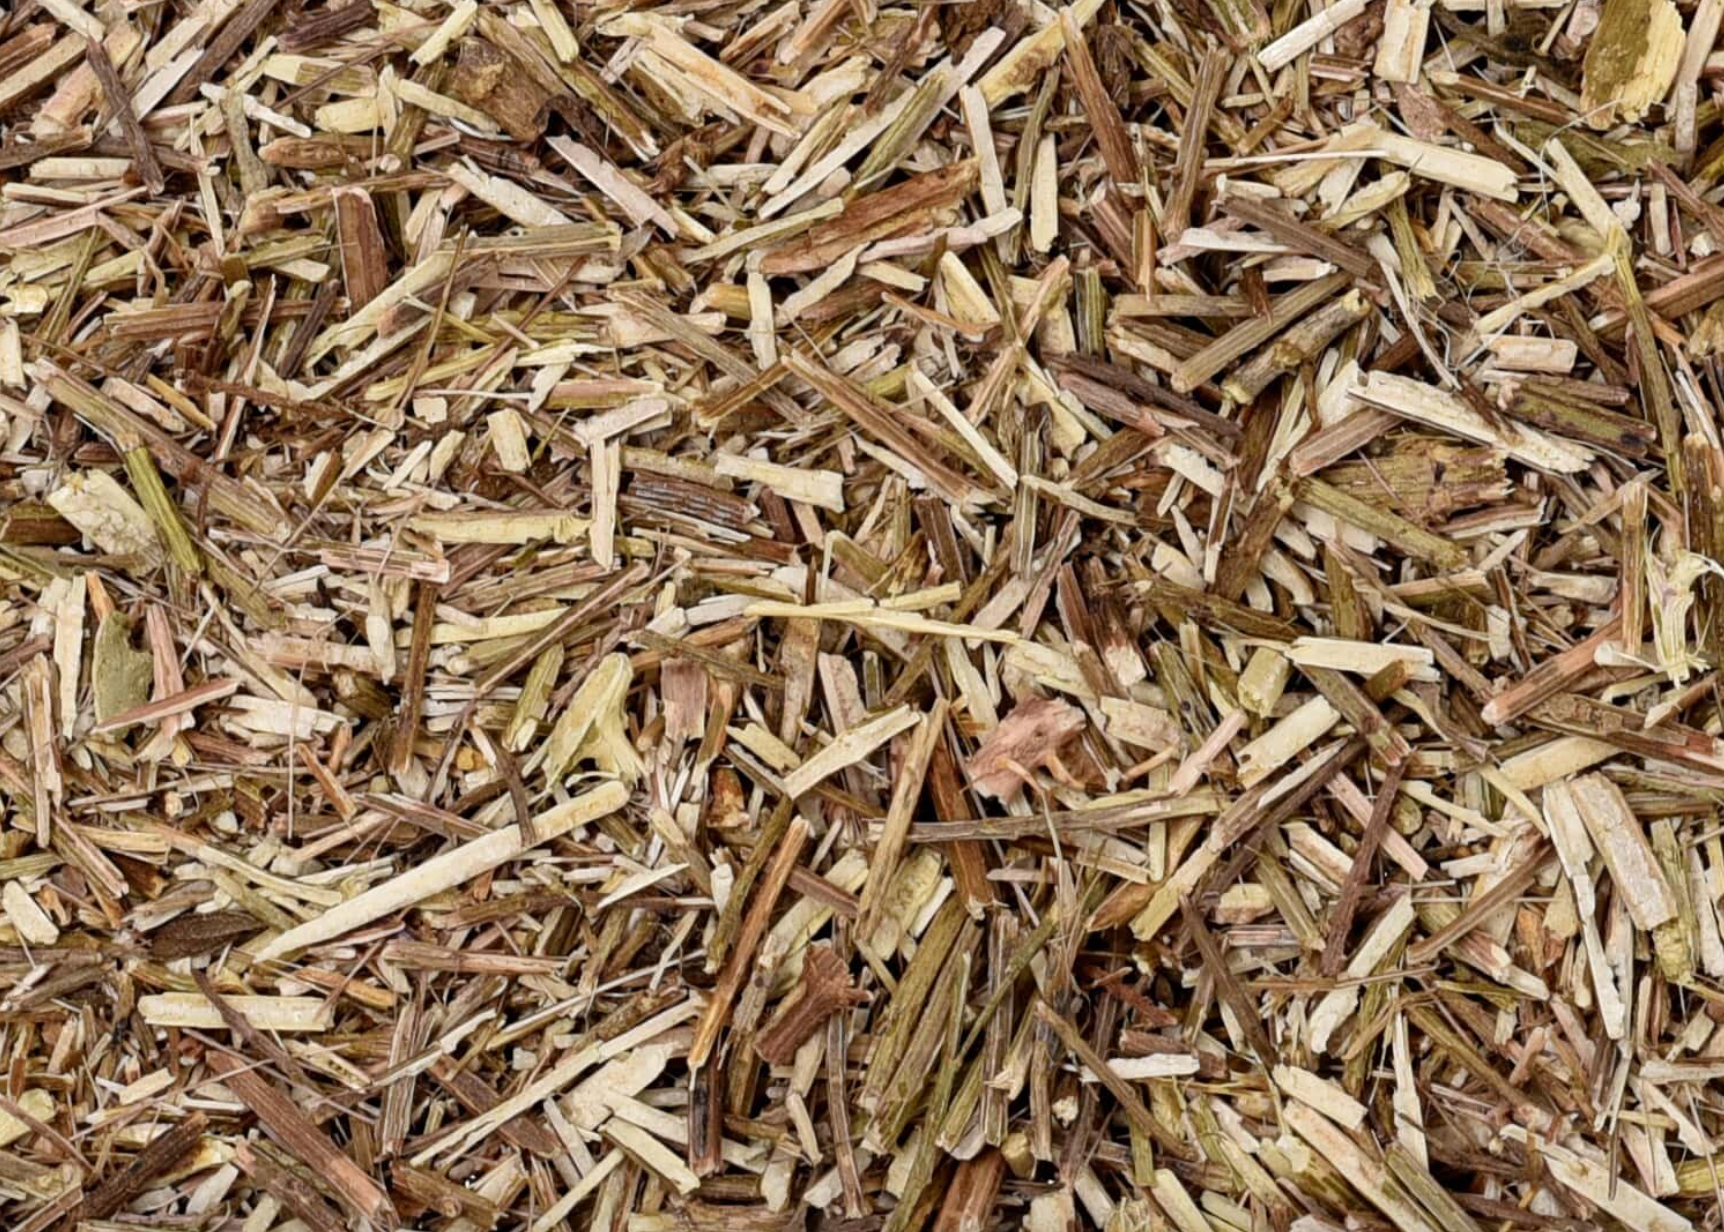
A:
(1129, 1101)
(23, 1116)
(607, 178)
(119, 101)
(1619, 836)
(183, 702)
(27, 919)
(413, 692)
(1481, 907)
(710, 77)
(439, 1193)
(1360, 658)
(1491, 324)
(287, 1188)
(813, 487)
(1300, 236)
(972, 1193)
(46, 782)
(1303, 342)
(912, 774)
(1243, 23)
(1595, 1182)
(1120, 393)
(848, 749)
(1329, 445)
(1366, 1174)
(1633, 570)
(1587, 199)
(1263, 681)
(98, 505)
(1256, 808)
(473, 1094)
(488, 527)
(1409, 537)
(364, 266)
(1099, 107)
(874, 217)
(508, 198)
(446, 871)
(1440, 409)
(1326, 1097)
(1341, 919)
(1100, 818)
(1023, 65)
(1227, 986)
(1291, 736)
(1549, 677)
(163, 512)
(1045, 195)
(572, 1065)
(1406, 25)
(651, 1154)
(601, 597)
(1353, 704)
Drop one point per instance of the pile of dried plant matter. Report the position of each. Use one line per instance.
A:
(809, 614)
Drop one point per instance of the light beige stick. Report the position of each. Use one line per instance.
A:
(446, 871)
(193, 1009)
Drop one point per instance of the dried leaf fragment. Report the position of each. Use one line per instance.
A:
(1027, 739)
(1630, 61)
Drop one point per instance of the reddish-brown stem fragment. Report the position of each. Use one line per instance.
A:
(823, 990)
(1341, 920)
(1110, 131)
(754, 924)
(1481, 908)
(1129, 1101)
(284, 1121)
(160, 1156)
(1211, 74)
(120, 100)
(294, 1193)
(413, 684)
(1549, 677)
(970, 1197)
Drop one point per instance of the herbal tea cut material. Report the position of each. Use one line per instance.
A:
(828, 617)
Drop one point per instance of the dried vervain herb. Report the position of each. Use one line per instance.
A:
(941, 618)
